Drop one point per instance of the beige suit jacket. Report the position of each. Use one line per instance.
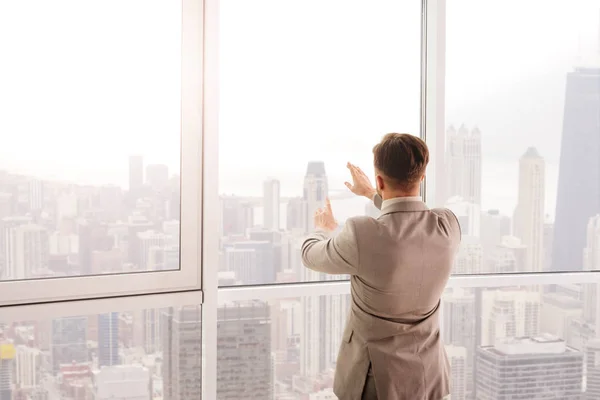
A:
(399, 265)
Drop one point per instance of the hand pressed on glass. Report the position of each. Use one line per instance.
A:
(324, 218)
(361, 185)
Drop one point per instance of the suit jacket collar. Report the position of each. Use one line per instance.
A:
(404, 206)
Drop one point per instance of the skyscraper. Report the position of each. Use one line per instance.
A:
(182, 344)
(108, 339)
(271, 200)
(592, 390)
(529, 214)
(457, 356)
(297, 215)
(237, 216)
(147, 240)
(244, 365)
(591, 261)
(69, 341)
(242, 262)
(464, 163)
(8, 257)
(512, 313)
(315, 190)
(458, 327)
(469, 259)
(578, 196)
(493, 227)
(7, 358)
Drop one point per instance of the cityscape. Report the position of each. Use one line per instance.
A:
(534, 342)
(286, 349)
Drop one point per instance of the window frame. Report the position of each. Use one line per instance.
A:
(189, 276)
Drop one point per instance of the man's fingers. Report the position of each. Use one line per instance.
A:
(328, 203)
(348, 185)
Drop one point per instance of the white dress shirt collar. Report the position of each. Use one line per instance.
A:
(390, 202)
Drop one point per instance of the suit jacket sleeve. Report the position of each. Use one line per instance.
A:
(332, 255)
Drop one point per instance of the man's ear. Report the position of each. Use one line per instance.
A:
(379, 184)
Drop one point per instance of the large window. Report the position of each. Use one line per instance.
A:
(502, 342)
(100, 156)
(305, 87)
(161, 162)
(100, 350)
(520, 136)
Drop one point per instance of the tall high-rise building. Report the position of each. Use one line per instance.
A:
(315, 190)
(511, 313)
(529, 214)
(493, 227)
(459, 368)
(578, 197)
(7, 358)
(271, 202)
(147, 240)
(237, 216)
(32, 249)
(266, 261)
(242, 262)
(458, 329)
(323, 321)
(151, 330)
(297, 215)
(108, 339)
(182, 346)
(136, 173)
(28, 367)
(591, 261)
(244, 338)
(469, 259)
(69, 342)
(463, 158)
(468, 214)
(36, 195)
(534, 368)
(592, 387)
(8, 258)
(93, 236)
(510, 256)
(548, 243)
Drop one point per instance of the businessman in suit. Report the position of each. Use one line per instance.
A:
(399, 265)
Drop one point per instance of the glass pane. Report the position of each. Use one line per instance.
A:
(89, 160)
(142, 354)
(305, 87)
(502, 343)
(522, 137)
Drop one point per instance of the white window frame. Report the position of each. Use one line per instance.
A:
(189, 276)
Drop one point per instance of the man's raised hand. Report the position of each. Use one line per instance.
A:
(361, 185)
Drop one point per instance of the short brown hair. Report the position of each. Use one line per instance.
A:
(402, 158)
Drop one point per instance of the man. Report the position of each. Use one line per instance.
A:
(399, 265)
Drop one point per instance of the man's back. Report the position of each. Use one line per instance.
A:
(399, 265)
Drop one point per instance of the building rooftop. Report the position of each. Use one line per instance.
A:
(531, 152)
(316, 168)
(545, 344)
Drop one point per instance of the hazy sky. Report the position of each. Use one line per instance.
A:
(85, 83)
